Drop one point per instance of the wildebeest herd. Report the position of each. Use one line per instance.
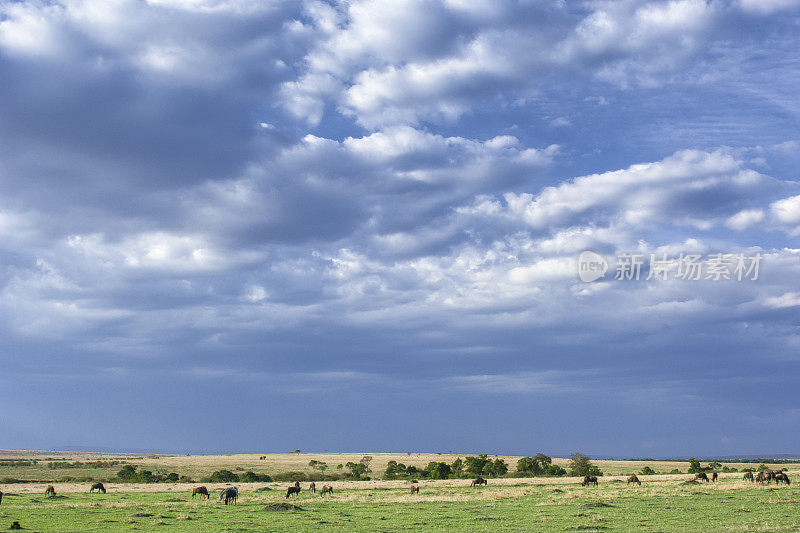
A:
(230, 494)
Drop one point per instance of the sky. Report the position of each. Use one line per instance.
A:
(354, 225)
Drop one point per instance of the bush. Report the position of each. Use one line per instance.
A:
(647, 471)
(127, 472)
(252, 477)
(580, 465)
(357, 470)
(436, 470)
(535, 466)
(224, 476)
(675, 471)
(172, 477)
(555, 470)
(290, 476)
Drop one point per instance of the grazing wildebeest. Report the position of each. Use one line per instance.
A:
(229, 494)
(782, 478)
(202, 491)
(415, 490)
(292, 490)
(634, 479)
(748, 476)
(478, 481)
(761, 478)
(98, 487)
(326, 489)
(50, 491)
(312, 487)
(701, 476)
(1, 496)
(589, 479)
(714, 477)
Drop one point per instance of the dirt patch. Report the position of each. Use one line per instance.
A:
(283, 507)
(690, 482)
(263, 489)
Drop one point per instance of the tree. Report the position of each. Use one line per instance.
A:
(357, 470)
(580, 465)
(318, 465)
(476, 466)
(694, 466)
(499, 468)
(457, 468)
(436, 470)
(394, 470)
(647, 471)
(536, 465)
(555, 470)
(127, 472)
(224, 476)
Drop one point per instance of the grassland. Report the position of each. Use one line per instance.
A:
(662, 503)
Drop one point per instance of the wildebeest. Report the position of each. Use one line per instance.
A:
(589, 479)
(98, 487)
(478, 481)
(701, 476)
(50, 491)
(202, 491)
(229, 494)
(1, 496)
(770, 476)
(634, 479)
(415, 490)
(782, 477)
(761, 477)
(312, 487)
(714, 477)
(326, 489)
(748, 476)
(292, 490)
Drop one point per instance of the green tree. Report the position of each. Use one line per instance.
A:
(647, 471)
(436, 470)
(477, 466)
(694, 466)
(127, 472)
(555, 470)
(457, 468)
(357, 470)
(318, 465)
(499, 468)
(224, 476)
(580, 465)
(394, 470)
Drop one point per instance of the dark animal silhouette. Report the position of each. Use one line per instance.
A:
(748, 476)
(202, 491)
(50, 491)
(326, 489)
(1, 496)
(312, 487)
(634, 479)
(415, 490)
(229, 494)
(292, 490)
(782, 478)
(761, 478)
(98, 487)
(701, 476)
(15, 525)
(588, 480)
(478, 481)
(714, 477)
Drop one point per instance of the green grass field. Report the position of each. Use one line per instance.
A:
(517, 505)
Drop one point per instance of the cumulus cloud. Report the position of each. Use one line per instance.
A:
(371, 196)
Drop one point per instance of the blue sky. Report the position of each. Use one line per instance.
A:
(238, 225)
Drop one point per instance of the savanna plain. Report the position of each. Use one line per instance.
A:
(661, 503)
